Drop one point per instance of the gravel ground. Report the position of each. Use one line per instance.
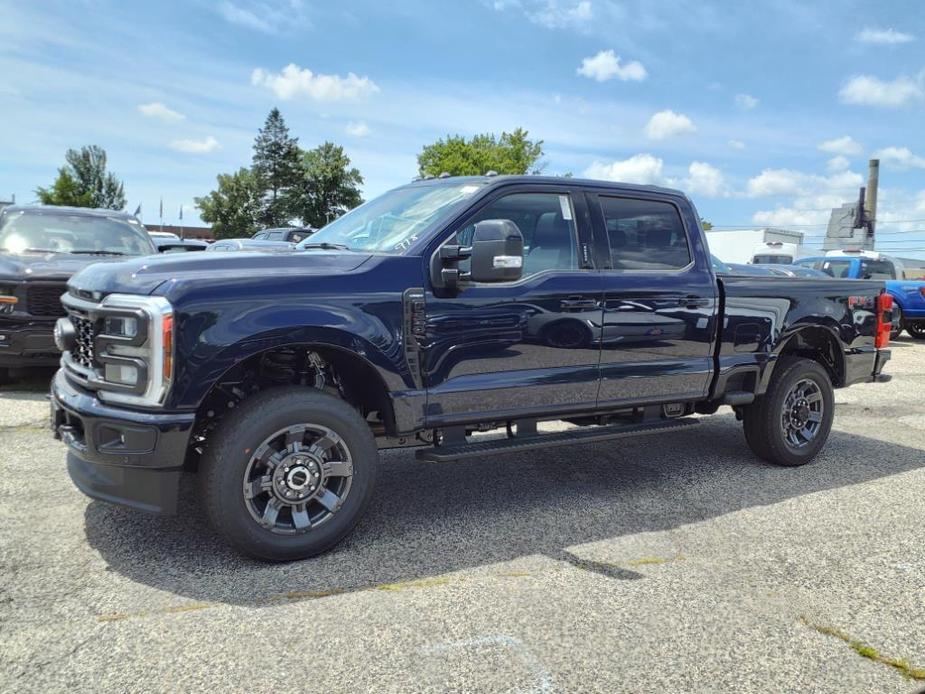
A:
(671, 563)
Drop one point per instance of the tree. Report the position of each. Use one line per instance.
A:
(329, 185)
(65, 191)
(276, 167)
(233, 209)
(706, 225)
(84, 182)
(512, 153)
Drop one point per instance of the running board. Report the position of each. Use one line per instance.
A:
(443, 454)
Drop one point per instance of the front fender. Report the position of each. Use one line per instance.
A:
(206, 352)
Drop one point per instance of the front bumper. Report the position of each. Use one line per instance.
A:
(27, 343)
(118, 455)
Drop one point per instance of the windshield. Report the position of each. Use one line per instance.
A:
(66, 233)
(393, 221)
(772, 260)
(833, 268)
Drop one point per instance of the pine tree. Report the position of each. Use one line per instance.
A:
(277, 167)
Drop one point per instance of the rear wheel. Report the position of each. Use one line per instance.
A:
(791, 422)
(916, 329)
(289, 474)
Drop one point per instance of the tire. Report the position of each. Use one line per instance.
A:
(238, 473)
(897, 326)
(916, 329)
(770, 434)
(4, 376)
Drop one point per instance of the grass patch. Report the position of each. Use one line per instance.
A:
(869, 652)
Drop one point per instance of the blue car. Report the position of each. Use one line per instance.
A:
(908, 295)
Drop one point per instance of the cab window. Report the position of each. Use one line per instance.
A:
(545, 220)
(877, 270)
(645, 234)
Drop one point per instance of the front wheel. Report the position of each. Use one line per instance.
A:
(790, 423)
(916, 329)
(289, 473)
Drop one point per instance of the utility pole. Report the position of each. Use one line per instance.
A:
(870, 203)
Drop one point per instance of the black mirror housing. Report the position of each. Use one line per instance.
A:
(497, 253)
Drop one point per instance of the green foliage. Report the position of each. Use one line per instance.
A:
(276, 166)
(234, 209)
(512, 153)
(65, 191)
(84, 182)
(329, 186)
(284, 183)
(707, 225)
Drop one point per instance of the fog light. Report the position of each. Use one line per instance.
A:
(121, 326)
(124, 374)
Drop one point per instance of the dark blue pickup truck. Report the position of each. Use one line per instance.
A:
(440, 310)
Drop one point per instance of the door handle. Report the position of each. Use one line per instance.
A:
(578, 304)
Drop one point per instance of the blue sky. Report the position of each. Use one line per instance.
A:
(765, 112)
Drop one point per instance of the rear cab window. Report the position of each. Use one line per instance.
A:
(644, 235)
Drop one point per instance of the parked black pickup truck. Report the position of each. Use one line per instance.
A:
(440, 309)
(40, 248)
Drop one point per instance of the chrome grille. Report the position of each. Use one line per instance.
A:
(83, 347)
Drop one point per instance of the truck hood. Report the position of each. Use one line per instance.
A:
(47, 266)
(145, 275)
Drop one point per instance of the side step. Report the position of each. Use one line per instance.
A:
(443, 454)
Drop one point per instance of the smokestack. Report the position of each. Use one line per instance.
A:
(873, 178)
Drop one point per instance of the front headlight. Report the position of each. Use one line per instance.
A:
(135, 348)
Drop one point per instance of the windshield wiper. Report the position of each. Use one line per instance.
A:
(97, 253)
(325, 246)
(30, 250)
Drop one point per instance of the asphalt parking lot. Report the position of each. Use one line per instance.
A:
(674, 563)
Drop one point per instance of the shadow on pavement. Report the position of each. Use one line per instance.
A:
(429, 519)
(27, 384)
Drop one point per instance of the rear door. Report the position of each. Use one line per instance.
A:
(660, 299)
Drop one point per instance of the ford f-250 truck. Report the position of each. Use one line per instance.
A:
(439, 310)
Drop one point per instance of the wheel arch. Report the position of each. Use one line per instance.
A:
(816, 342)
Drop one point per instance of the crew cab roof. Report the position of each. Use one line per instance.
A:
(499, 180)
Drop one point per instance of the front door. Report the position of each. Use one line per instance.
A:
(660, 302)
(492, 350)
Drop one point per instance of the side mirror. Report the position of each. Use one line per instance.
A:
(497, 253)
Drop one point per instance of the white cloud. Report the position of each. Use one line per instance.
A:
(605, 66)
(209, 144)
(667, 123)
(267, 16)
(837, 163)
(901, 157)
(881, 36)
(295, 81)
(157, 110)
(845, 145)
(771, 182)
(704, 179)
(746, 101)
(640, 168)
(359, 129)
(737, 144)
(552, 14)
(790, 216)
(865, 90)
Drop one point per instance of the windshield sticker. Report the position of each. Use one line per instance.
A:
(566, 208)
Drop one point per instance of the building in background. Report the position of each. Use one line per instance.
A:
(741, 245)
